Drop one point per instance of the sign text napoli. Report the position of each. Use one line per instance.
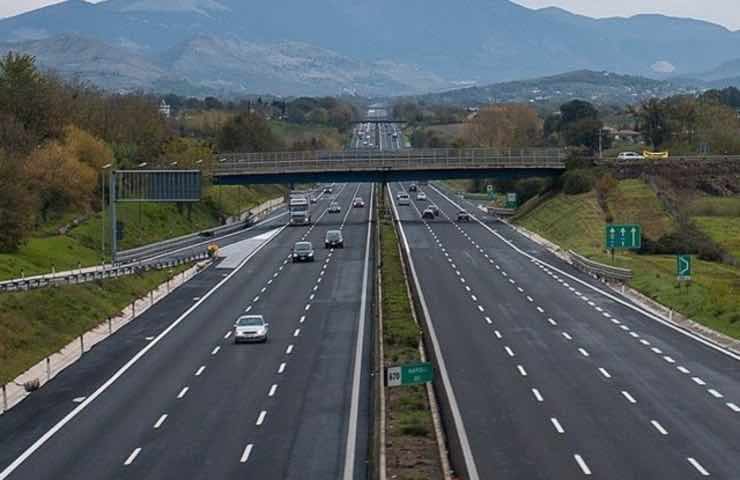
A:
(410, 374)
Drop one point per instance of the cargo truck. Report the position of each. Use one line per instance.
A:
(299, 209)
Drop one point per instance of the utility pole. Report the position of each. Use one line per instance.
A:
(102, 210)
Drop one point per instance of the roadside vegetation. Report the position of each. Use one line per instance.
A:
(37, 323)
(411, 449)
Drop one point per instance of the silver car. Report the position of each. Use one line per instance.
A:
(251, 328)
(334, 207)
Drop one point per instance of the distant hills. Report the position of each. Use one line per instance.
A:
(383, 47)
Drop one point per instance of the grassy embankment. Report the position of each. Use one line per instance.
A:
(411, 446)
(144, 224)
(577, 222)
(719, 218)
(37, 323)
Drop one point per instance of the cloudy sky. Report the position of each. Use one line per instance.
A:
(724, 12)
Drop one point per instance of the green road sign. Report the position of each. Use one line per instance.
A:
(489, 188)
(411, 374)
(511, 200)
(626, 237)
(683, 267)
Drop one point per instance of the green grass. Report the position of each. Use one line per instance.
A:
(719, 217)
(576, 222)
(292, 132)
(37, 323)
(143, 223)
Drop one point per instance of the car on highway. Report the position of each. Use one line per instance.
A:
(358, 202)
(463, 216)
(403, 199)
(328, 190)
(630, 156)
(412, 187)
(334, 239)
(251, 328)
(395, 134)
(428, 213)
(421, 196)
(334, 207)
(314, 199)
(434, 209)
(303, 252)
(365, 143)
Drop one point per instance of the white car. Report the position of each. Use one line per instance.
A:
(421, 196)
(334, 207)
(630, 156)
(403, 199)
(251, 328)
(358, 202)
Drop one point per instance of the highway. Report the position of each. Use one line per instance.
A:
(171, 396)
(555, 378)
(378, 136)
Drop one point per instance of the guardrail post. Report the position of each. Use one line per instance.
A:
(5, 398)
(82, 344)
(48, 369)
(110, 325)
(151, 298)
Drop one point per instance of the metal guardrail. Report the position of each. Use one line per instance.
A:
(408, 159)
(85, 276)
(184, 241)
(599, 269)
(501, 211)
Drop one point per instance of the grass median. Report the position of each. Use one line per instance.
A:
(411, 448)
(37, 323)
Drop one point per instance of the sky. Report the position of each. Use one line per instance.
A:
(723, 12)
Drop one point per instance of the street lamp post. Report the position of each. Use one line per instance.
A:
(102, 209)
(141, 227)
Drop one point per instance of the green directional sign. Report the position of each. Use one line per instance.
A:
(511, 200)
(491, 193)
(410, 374)
(623, 237)
(684, 267)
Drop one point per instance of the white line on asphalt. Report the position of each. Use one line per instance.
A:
(556, 424)
(200, 371)
(498, 334)
(289, 350)
(539, 309)
(521, 290)
(303, 319)
(537, 395)
(480, 308)
(247, 452)
(599, 309)
(625, 328)
(271, 393)
(583, 352)
(698, 467)
(246, 310)
(530, 298)
(715, 393)
(552, 322)
(183, 392)
(227, 335)
(315, 287)
(733, 407)
(467, 288)
(567, 336)
(504, 274)
(606, 314)
(509, 351)
(308, 306)
(281, 368)
(699, 381)
(604, 372)
(669, 359)
(659, 427)
(488, 320)
(160, 421)
(582, 464)
(475, 299)
(656, 350)
(312, 296)
(512, 281)
(634, 334)
(263, 290)
(629, 397)
(645, 342)
(521, 370)
(683, 369)
(261, 418)
(297, 332)
(132, 457)
(269, 282)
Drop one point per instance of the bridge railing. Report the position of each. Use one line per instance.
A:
(397, 159)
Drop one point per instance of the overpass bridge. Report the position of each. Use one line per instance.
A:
(385, 166)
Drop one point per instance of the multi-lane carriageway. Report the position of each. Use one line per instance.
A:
(170, 395)
(550, 375)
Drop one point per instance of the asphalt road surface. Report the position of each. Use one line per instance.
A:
(556, 378)
(171, 395)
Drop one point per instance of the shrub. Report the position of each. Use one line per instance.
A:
(577, 181)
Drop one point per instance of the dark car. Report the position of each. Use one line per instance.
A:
(427, 213)
(303, 252)
(412, 187)
(334, 239)
(434, 209)
(463, 216)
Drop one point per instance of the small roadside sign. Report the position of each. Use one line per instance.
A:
(684, 267)
(410, 374)
(511, 200)
(623, 237)
(489, 188)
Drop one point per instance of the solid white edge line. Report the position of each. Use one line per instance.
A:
(351, 444)
(442, 366)
(699, 338)
(698, 466)
(121, 371)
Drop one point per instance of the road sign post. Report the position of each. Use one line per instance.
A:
(684, 268)
(511, 200)
(623, 237)
(410, 374)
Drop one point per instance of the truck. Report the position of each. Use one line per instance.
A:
(299, 209)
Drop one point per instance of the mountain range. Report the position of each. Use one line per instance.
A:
(384, 47)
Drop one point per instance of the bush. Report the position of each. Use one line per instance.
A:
(577, 181)
(685, 241)
(528, 188)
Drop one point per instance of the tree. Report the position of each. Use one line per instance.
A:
(504, 126)
(247, 132)
(16, 204)
(577, 110)
(585, 133)
(187, 152)
(653, 121)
